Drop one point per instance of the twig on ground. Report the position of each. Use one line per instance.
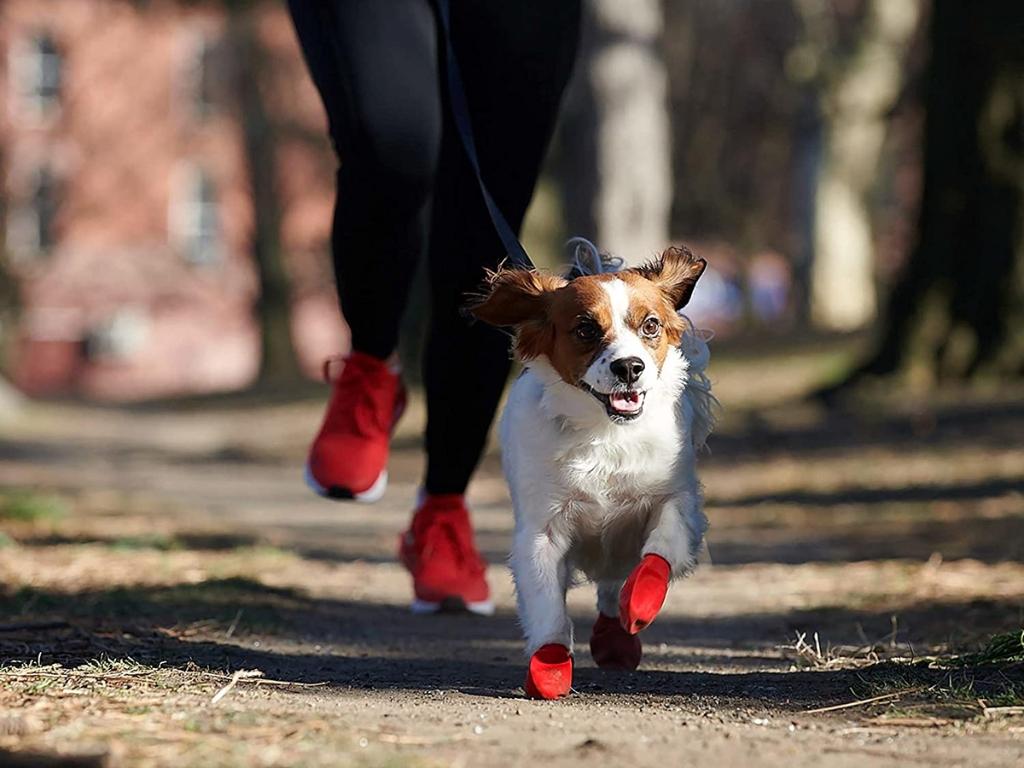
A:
(862, 702)
(1002, 711)
(234, 624)
(238, 675)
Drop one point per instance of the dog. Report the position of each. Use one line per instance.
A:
(599, 440)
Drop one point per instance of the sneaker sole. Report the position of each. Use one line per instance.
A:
(452, 605)
(337, 493)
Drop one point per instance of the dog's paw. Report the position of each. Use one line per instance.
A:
(644, 593)
(550, 673)
(612, 646)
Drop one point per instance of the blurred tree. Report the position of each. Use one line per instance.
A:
(734, 135)
(616, 146)
(9, 295)
(278, 362)
(244, 91)
(9, 305)
(858, 80)
(958, 307)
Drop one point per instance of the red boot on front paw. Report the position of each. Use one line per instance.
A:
(550, 672)
(644, 593)
(612, 646)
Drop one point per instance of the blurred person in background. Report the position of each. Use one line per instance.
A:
(405, 190)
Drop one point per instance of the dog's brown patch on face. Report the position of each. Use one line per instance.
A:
(580, 315)
(647, 300)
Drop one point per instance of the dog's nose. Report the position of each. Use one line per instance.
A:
(627, 369)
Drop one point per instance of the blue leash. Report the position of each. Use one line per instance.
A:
(460, 112)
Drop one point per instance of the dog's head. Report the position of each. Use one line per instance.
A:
(607, 334)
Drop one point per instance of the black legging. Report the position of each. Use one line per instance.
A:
(405, 186)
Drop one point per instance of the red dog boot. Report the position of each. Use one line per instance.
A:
(348, 458)
(644, 593)
(550, 673)
(612, 646)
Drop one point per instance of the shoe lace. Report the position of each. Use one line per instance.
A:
(359, 402)
(448, 534)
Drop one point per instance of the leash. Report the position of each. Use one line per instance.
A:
(460, 112)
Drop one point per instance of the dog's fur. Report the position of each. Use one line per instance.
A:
(595, 488)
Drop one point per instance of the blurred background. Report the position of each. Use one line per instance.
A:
(851, 169)
(853, 172)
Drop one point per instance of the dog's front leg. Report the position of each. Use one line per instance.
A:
(670, 549)
(678, 532)
(541, 574)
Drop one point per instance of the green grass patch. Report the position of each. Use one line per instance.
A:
(30, 507)
(1005, 648)
(985, 683)
(155, 541)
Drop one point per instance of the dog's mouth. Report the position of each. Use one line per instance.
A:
(621, 405)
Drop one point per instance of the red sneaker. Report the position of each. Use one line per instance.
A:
(348, 458)
(447, 571)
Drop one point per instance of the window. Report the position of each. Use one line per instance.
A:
(201, 78)
(195, 217)
(31, 227)
(37, 75)
(119, 337)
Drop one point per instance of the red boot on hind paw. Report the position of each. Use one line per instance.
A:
(644, 593)
(612, 646)
(550, 672)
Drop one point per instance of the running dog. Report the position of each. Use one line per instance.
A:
(599, 441)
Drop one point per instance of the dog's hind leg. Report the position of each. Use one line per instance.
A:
(541, 573)
(611, 646)
(608, 597)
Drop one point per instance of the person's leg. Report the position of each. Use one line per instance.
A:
(375, 65)
(515, 58)
(376, 68)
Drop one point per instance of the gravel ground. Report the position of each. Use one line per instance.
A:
(166, 548)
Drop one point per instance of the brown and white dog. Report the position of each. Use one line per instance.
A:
(599, 441)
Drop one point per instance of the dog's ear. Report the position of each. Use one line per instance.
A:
(676, 272)
(514, 297)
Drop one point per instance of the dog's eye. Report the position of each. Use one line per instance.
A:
(587, 331)
(651, 327)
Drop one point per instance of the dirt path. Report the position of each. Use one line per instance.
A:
(180, 547)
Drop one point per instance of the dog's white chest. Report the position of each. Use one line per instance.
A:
(618, 472)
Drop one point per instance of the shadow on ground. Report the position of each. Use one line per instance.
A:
(232, 624)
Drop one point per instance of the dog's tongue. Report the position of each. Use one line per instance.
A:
(625, 402)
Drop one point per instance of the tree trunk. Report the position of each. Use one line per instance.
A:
(951, 313)
(617, 166)
(278, 363)
(859, 92)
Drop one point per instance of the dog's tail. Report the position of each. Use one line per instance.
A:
(694, 346)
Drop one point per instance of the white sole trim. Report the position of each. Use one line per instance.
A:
(370, 495)
(422, 607)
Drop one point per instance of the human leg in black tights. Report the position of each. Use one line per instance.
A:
(515, 58)
(376, 64)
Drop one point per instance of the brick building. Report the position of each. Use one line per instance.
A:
(127, 211)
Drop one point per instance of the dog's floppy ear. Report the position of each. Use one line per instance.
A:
(676, 273)
(514, 297)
